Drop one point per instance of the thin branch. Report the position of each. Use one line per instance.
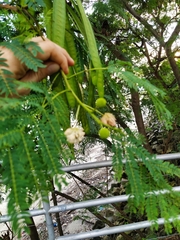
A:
(174, 35)
(155, 70)
(160, 39)
(144, 22)
(56, 214)
(10, 7)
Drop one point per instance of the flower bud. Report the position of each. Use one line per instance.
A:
(108, 119)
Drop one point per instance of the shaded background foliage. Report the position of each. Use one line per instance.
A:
(146, 34)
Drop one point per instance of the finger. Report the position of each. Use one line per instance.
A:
(54, 53)
(41, 41)
(42, 73)
(32, 76)
(14, 65)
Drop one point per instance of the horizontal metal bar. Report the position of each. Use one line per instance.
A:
(33, 213)
(113, 230)
(169, 156)
(88, 203)
(5, 218)
(108, 163)
(84, 204)
(101, 201)
(89, 165)
(36, 212)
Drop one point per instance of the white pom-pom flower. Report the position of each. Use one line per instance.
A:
(74, 135)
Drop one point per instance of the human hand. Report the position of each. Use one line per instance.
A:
(53, 56)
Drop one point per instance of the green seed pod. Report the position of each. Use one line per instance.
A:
(104, 133)
(100, 102)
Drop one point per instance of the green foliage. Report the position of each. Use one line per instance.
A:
(8, 84)
(145, 179)
(23, 54)
(32, 143)
(33, 146)
(133, 81)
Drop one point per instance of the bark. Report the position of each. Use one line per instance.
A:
(9, 7)
(154, 69)
(170, 54)
(57, 214)
(138, 117)
(173, 64)
(121, 123)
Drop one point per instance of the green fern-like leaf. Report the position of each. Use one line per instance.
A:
(14, 169)
(24, 55)
(32, 144)
(118, 156)
(145, 178)
(61, 110)
(35, 49)
(2, 61)
(133, 81)
(8, 85)
(35, 4)
(132, 170)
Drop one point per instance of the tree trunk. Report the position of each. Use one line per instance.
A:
(173, 64)
(138, 117)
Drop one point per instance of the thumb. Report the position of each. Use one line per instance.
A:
(42, 73)
(32, 76)
(51, 69)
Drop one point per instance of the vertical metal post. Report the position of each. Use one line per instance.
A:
(49, 222)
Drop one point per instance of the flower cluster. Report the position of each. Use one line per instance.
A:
(74, 135)
(109, 119)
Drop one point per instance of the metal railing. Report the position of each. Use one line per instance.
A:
(47, 210)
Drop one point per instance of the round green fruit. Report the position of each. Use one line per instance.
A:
(100, 102)
(104, 133)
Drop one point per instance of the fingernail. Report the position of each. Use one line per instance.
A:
(53, 68)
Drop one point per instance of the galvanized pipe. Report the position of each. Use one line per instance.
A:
(84, 204)
(113, 230)
(168, 156)
(88, 203)
(32, 213)
(101, 201)
(89, 165)
(37, 212)
(49, 222)
(5, 218)
(108, 163)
